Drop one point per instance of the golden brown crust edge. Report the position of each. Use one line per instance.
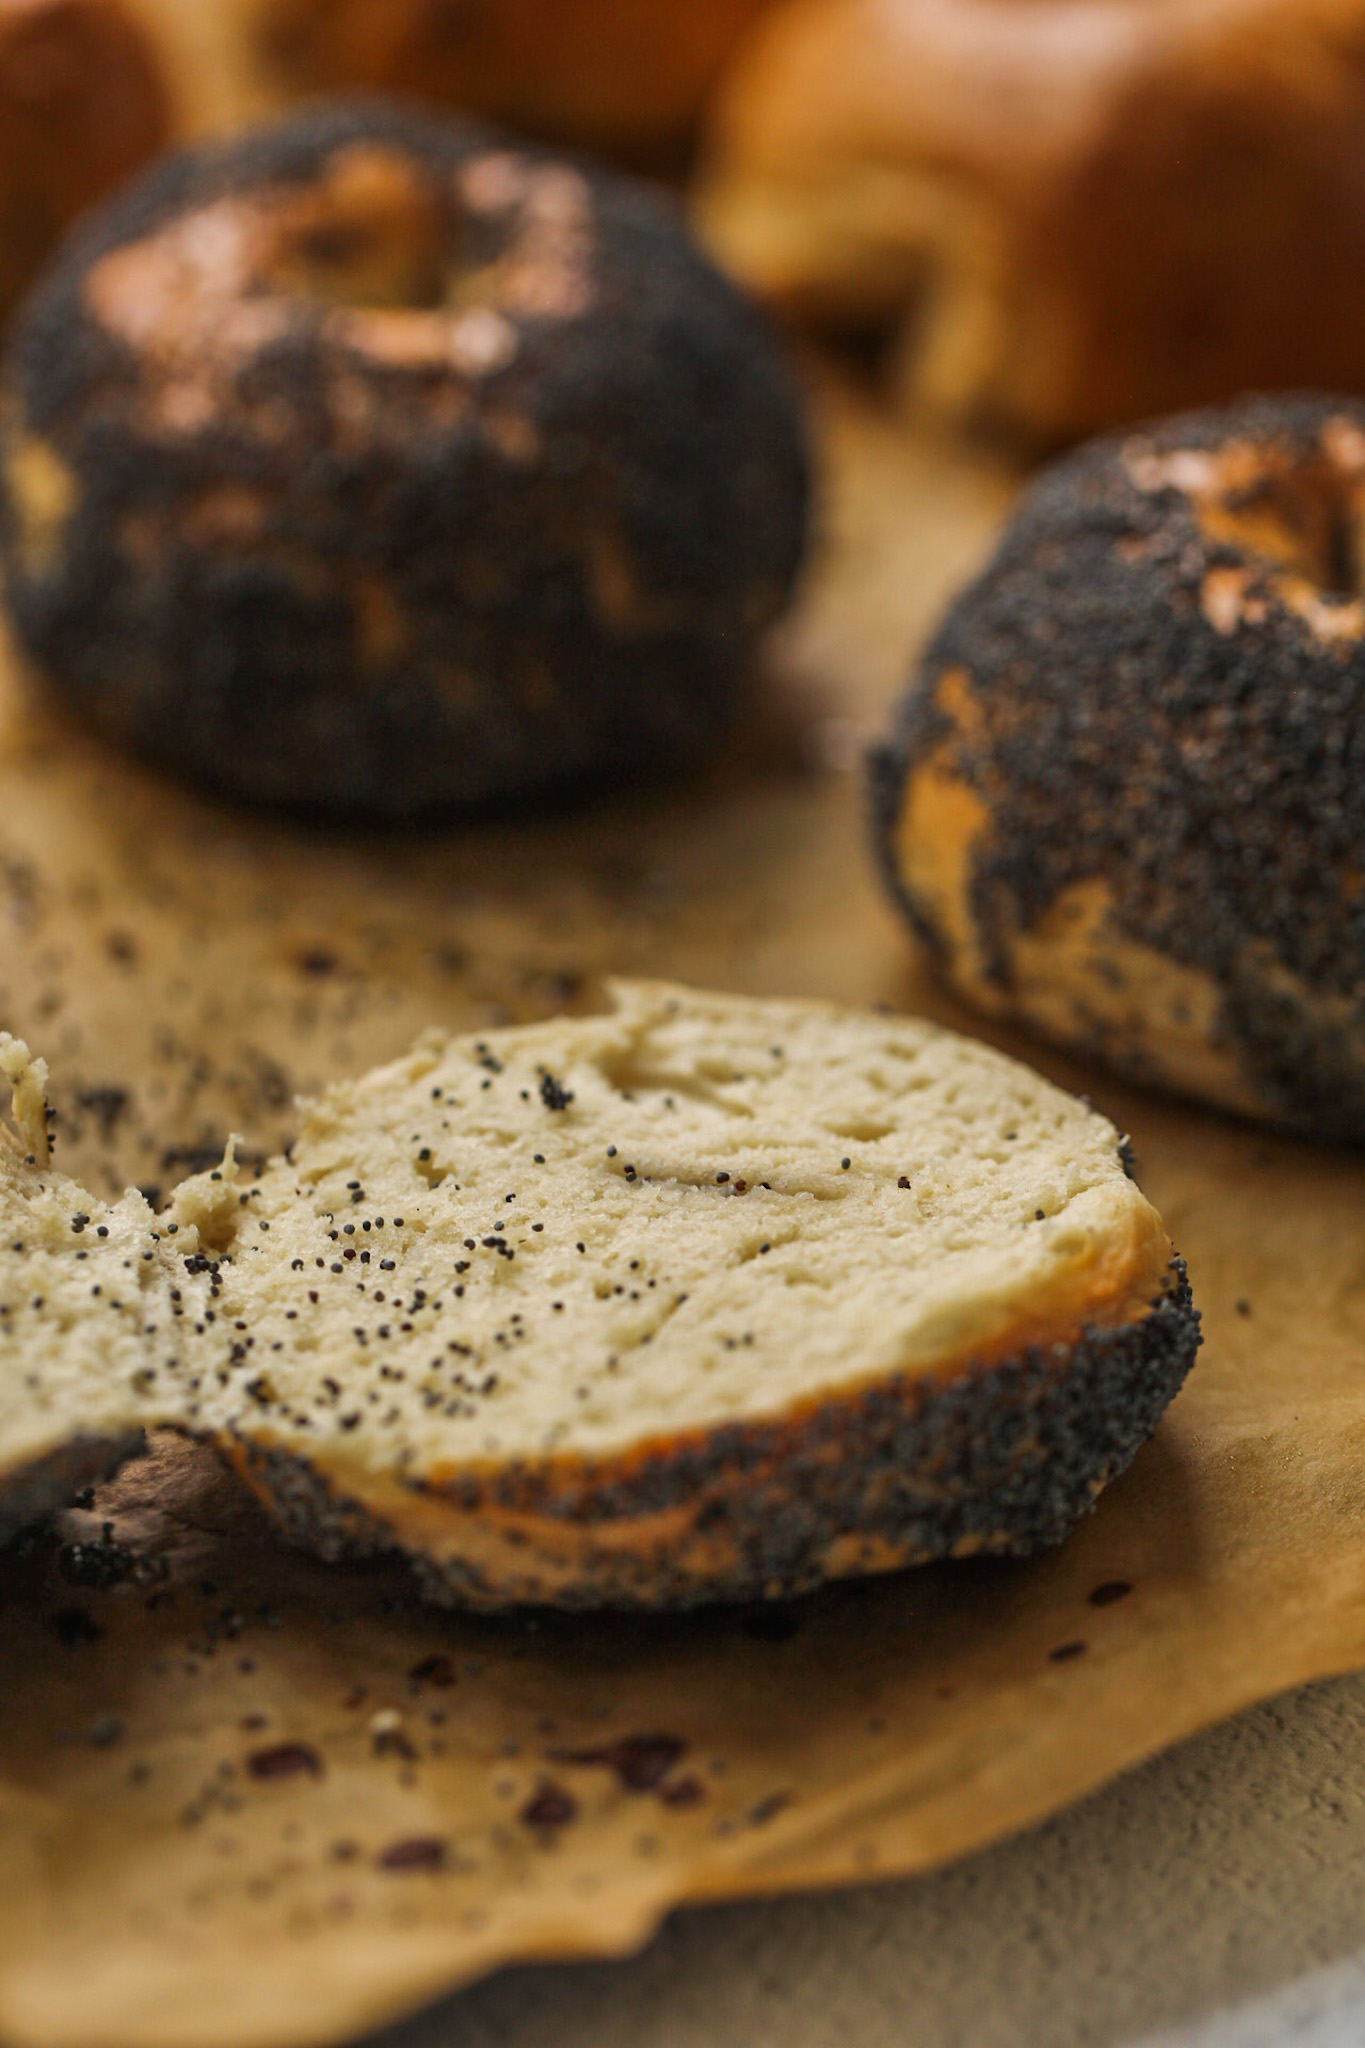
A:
(1001, 1457)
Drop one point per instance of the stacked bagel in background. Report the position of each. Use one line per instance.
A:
(1066, 214)
(1062, 216)
(628, 79)
(83, 102)
(613, 75)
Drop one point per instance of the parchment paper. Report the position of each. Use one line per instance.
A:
(247, 1800)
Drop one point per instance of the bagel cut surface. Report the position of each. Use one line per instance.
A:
(82, 1292)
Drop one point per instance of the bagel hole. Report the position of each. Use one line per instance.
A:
(1306, 517)
(370, 234)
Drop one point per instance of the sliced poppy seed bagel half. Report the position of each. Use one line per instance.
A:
(704, 1298)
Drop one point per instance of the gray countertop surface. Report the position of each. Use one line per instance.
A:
(1214, 1898)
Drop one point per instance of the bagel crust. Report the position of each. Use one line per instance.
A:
(1123, 799)
(1000, 1461)
(373, 465)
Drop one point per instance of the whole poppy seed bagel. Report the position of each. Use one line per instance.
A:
(373, 464)
(1124, 800)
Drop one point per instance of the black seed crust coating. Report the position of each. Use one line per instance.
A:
(1213, 780)
(34, 1492)
(548, 572)
(1002, 1460)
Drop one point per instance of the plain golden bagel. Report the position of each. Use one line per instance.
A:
(374, 465)
(1069, 213)
(1124, 800)
(621, 75)
(83, 103)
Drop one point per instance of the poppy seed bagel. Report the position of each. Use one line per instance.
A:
(373, 464)
(704, 1298)
(1123, 801)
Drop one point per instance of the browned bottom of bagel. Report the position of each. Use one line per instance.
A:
(998, 1462)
